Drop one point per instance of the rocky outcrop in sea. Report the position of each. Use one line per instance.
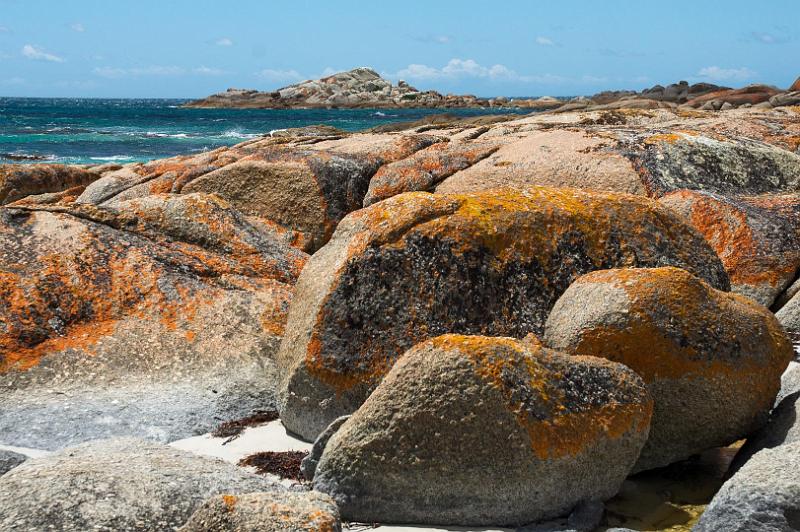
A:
(480, 324)
(364, 88)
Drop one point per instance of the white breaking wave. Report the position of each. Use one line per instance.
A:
(113, 158)
(233, 134)
(158, 134)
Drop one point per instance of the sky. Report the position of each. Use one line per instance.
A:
(192, 48)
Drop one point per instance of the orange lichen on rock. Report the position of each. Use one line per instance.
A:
(418, 265)
(567, 429)
(162, 259)
(424, 169)
(670, 138)
(702, 352)
(230, 501)
(756, 237)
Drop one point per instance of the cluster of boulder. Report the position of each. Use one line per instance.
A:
(477, 325)
(681, 95)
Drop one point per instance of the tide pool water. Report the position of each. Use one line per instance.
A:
(96, 131)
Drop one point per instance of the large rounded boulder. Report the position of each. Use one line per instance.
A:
(473, 430)
(120, 484)
(419, 265)
(712, 360)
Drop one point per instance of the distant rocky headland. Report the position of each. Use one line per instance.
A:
(363, 88)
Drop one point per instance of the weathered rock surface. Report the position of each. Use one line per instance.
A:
(303, 181)
(155, 317)
(637, 153)
(682, 160)
(18, 181)
(783, 426)
(795, 86)
(789, 314)
(308, 467)
(9, 460)
(309, 191)
(785, 99)
(266, 512)
(711, 360)
(425, 169)
(757, 237)
(752, 94)
(790, 382)
(301, 184)
(764, 495)
(475, 430)
(419, 265)
(120, 484)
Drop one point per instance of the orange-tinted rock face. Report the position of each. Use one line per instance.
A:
(425, 169)
(519, 419)
(753, 94)
(712, 360)
(756, 237)
(167, 288)
(18, 181)
(69, 274)
(418, 265)
(304, 185)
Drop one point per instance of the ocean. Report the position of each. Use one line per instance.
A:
(96, 131)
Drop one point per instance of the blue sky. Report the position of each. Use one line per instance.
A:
(182, 48)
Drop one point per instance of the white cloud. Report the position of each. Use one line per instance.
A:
(456, 68)
(78, 27)
(716, 73)
(84, 84)
(38, 54)
(544, 41)
(224, 42)
(4, 29)
(109, 72)
(588, 78)
(442, 39)
(13, 81)
(415, 71)
(768, 38)
(155, 70)
(207, 71)
(281, 76)
(469, 68)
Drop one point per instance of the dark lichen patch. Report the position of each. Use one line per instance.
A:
(284, 464)
(233, 429)
(469, 272)
(672, 161)
(606, 118)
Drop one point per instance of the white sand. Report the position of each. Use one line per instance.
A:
(273, 437)
(30, 453)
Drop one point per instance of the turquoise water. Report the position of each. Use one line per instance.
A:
(104, 130)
